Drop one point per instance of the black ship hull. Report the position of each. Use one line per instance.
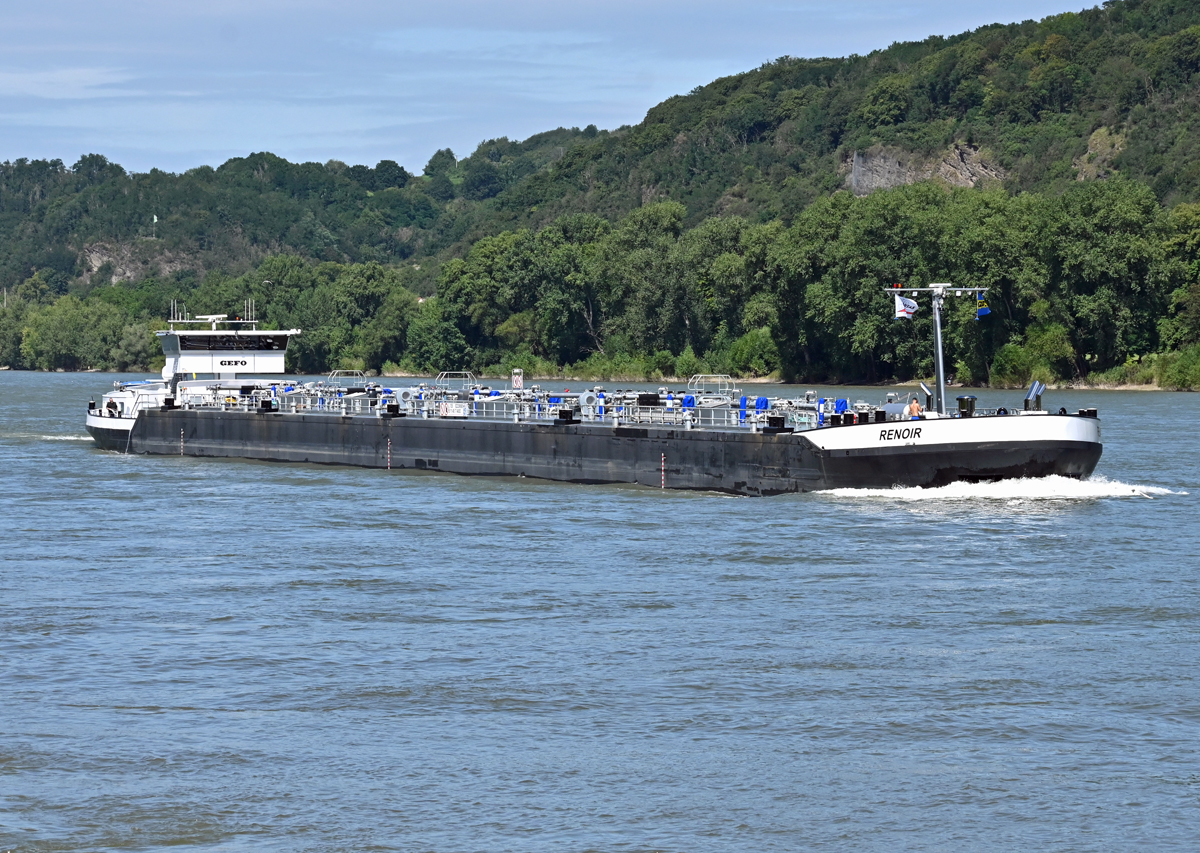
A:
(111, 439)
(741, 462)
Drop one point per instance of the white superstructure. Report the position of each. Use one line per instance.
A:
(239, 348)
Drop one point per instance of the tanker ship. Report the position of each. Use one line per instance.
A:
(707, 436)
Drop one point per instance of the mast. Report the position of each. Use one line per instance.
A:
(939, 364)
(938, 292)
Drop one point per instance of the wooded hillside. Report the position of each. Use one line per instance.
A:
(745, 226)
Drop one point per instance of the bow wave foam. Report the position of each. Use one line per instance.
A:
(1034, 489)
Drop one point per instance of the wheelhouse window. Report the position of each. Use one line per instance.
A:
(233, 343)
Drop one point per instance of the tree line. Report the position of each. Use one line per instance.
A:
(1097, 283)
(1108, 90)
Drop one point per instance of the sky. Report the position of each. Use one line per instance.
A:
(173, 85)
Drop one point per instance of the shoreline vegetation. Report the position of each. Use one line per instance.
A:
(1097, 286)
(487, 374)
(749, 227)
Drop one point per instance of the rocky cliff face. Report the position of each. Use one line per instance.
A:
(881, 168)
(132, 260)
(121, 266)
(1103, 148)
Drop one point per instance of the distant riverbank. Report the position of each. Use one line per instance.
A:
(743, 380)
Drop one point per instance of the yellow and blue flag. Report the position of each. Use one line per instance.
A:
(981, 307)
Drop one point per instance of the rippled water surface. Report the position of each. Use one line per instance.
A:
(227, 655)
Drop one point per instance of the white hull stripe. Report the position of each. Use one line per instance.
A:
(955, 431)
(99, 422)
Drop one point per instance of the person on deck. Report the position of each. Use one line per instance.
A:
(914, 409)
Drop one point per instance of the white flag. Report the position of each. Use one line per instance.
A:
(904, 307)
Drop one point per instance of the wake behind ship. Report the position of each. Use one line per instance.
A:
(709, 436)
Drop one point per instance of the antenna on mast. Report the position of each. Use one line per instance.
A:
(938, 289)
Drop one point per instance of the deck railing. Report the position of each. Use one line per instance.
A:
(719, 412)
(434, 403)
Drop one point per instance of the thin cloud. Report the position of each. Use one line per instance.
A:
(483, 43)
(66, 84)
(172, 85)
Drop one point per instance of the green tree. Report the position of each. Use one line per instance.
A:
(441, 162)
(71, 335)
(1107, 278)
(38, 289)
(384, 335)
(137, 349)
(434, 343)
(389, 173)
(1183, 251)
(481, 180)
(440, 187)
(12, 322)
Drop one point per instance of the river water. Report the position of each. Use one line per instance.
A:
(218, 655)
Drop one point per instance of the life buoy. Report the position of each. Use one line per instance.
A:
(1002, 411)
